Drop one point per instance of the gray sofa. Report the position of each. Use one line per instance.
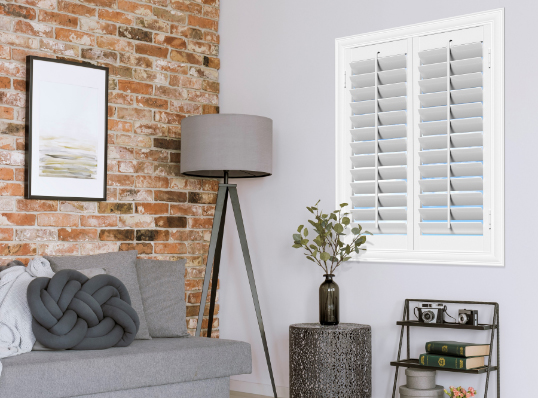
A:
(190, 367)
(164, 361)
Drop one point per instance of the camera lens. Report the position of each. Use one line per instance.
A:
(428, 316)
(463, 318)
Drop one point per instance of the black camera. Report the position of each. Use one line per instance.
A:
(468, 317)
(430, 312)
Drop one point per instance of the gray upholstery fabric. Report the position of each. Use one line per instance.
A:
(71, 311)
(210, 388)
(122, 265)
(145, 363)
(162, 285)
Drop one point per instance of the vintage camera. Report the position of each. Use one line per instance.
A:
(468, 317)
(430, 312)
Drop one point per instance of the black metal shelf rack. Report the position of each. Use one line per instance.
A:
(406, 324)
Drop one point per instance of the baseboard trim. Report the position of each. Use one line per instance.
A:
(259, 389)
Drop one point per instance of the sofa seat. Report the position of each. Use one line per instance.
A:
(145, 363)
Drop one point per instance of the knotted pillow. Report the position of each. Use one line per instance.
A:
(71, 311)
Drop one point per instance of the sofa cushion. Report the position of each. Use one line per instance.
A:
(122, 265)
(58, 374)
(162, 285)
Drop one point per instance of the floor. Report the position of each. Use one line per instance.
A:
(235, 394)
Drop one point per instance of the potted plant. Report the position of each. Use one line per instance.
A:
(456, 392)
(328, 250)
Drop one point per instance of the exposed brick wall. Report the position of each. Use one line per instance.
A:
(163, 62)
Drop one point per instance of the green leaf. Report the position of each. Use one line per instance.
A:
(333, 217)
(297, 237)
(300, 228)
(305, 232)
(304, 242)
(346, 259)
(310, 210)
(345, 221)
(313, 247)
(297, 245)
(356, 231)
(324, 256)
(338, 228)
(315, 253)
(343, 204)
(310, 258)
(368, 233)
(324, 216)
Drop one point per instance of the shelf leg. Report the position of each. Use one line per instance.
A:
(400, 350)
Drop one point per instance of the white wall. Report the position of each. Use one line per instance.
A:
(278, 61)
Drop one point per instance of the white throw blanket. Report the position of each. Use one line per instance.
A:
(16, 336)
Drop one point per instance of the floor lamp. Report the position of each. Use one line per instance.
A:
(227, 146)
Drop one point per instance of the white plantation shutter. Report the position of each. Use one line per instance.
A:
(451, 136)
(378, 138)
(420, 135)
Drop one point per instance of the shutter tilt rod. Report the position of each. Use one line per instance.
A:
(376, 110)
(448, 216)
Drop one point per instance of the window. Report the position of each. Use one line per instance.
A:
(420, 139)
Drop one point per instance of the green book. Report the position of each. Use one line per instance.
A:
(457, 349)
(444, 361)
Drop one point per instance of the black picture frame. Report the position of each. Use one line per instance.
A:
(29, 192)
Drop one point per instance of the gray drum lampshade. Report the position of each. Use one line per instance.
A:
(239, 144)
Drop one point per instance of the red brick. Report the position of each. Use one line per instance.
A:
(203, 23)
(204, 73)
(57, 220)
(202, 47)
(208, 85)
(18, 41)
(186, 107)
(37, 205)
(212, 62)
(77, 234)
(200, 223)
(74, 8)
(20, 249)
(137, 221)
(99, 55)
(209, 109)
(187, 32)
(93, 26)
(5, 82)
(7, 143)
(112, 43)
(185, 210)
(100, 3)
(141, 248)
(98, 221)
(189, 58)
(171, 41)
(211, 37)
(48, 4)
(149, 102)
(152, 235)
(96, 248)
(134, 114)
(119, 180)
(149, 49)
(187, 6)
(16, 11)
(186, 183)
(151, 208)
(135, 33)
(120, 98)
(206, 98)
(7, 234)
(211, 12)
(151, 182)
(75, 36)
(151, 129)
(14, 99)
(116, 234)
(170, 15)
(58, 249)
(78, 207)
(170, 92)
(185, 81)
(120, 125)
(19, 85)
(172, 67)
(168, 118)
(56, 18)
(153, 24)
(151, 154)
(59, 48)
(6, 113)
(17, 219)
(136, 60)
(116, 16)
(170, 248)
(32, 29)
(14, 189)
(135, 87)
(6, 174)
(135, 8)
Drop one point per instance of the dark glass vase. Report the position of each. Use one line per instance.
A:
(329, 306)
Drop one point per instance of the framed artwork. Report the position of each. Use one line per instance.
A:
(66, 132)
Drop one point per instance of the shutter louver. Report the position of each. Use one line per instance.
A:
(451, 140)
(379, 143)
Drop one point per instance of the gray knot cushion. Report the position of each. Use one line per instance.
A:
(71, 311)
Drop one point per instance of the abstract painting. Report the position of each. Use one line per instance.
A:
(67, 130)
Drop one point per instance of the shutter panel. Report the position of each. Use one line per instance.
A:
(451, 137)
(378, 115)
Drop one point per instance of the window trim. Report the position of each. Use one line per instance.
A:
(495, 20)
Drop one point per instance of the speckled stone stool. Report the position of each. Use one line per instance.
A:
(330, 361)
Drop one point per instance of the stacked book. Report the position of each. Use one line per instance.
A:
(454, 355)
